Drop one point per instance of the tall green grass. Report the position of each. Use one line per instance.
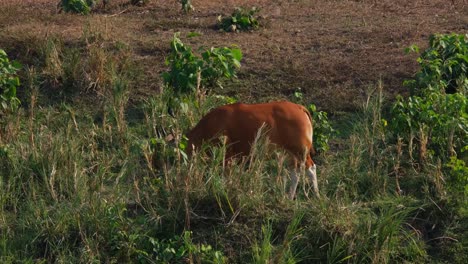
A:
(77, 190)
(90, 184)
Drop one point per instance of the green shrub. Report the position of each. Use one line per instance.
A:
(444, 65)
(189, 72)
(186, 5)
(9, 81)
(77, 6)
(458, 177)
(240, 20)
(84, 7)
(323, 131)
(436, 115)
(438, 121)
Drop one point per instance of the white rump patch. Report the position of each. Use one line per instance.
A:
(311, 133)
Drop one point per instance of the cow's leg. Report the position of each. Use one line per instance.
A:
(294, 183)
(312, 173)
(294, 179)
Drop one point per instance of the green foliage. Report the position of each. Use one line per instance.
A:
(458, 177)
(184, 66)
(167, 152)
(433, 121)
(443, 117)
(76, 184)
(270, 250)
(136, 244)
(323, 131)
(77, 6)
(188, 71)
(240, 20)
(186, 5)
(220, 63)
(84, 7)
(439, 120)
(9, 81)
(444, 65)
(202, 253)
(388, 238)
(262, 253)
(73, 190)
(337, 251)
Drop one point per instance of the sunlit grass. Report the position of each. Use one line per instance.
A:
(91, 184)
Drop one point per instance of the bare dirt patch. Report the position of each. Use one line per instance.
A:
(332, 50)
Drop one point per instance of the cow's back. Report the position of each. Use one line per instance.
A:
(286, 124)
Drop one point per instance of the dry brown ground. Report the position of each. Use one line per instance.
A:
(333, 50)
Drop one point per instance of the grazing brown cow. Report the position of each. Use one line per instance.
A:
(287, 125)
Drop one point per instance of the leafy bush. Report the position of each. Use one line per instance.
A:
(240, 20)
(323, 130)
(9, 81)
(458, 177)
(436, 115)
(84, 7)
(186, 5)
(77, 6)
(188, 71)
(437, 121)
(444, 65)
(137, 243)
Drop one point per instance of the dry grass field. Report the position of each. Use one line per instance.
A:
(331, 50)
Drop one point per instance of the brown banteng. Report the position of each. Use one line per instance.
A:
(287, 125)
